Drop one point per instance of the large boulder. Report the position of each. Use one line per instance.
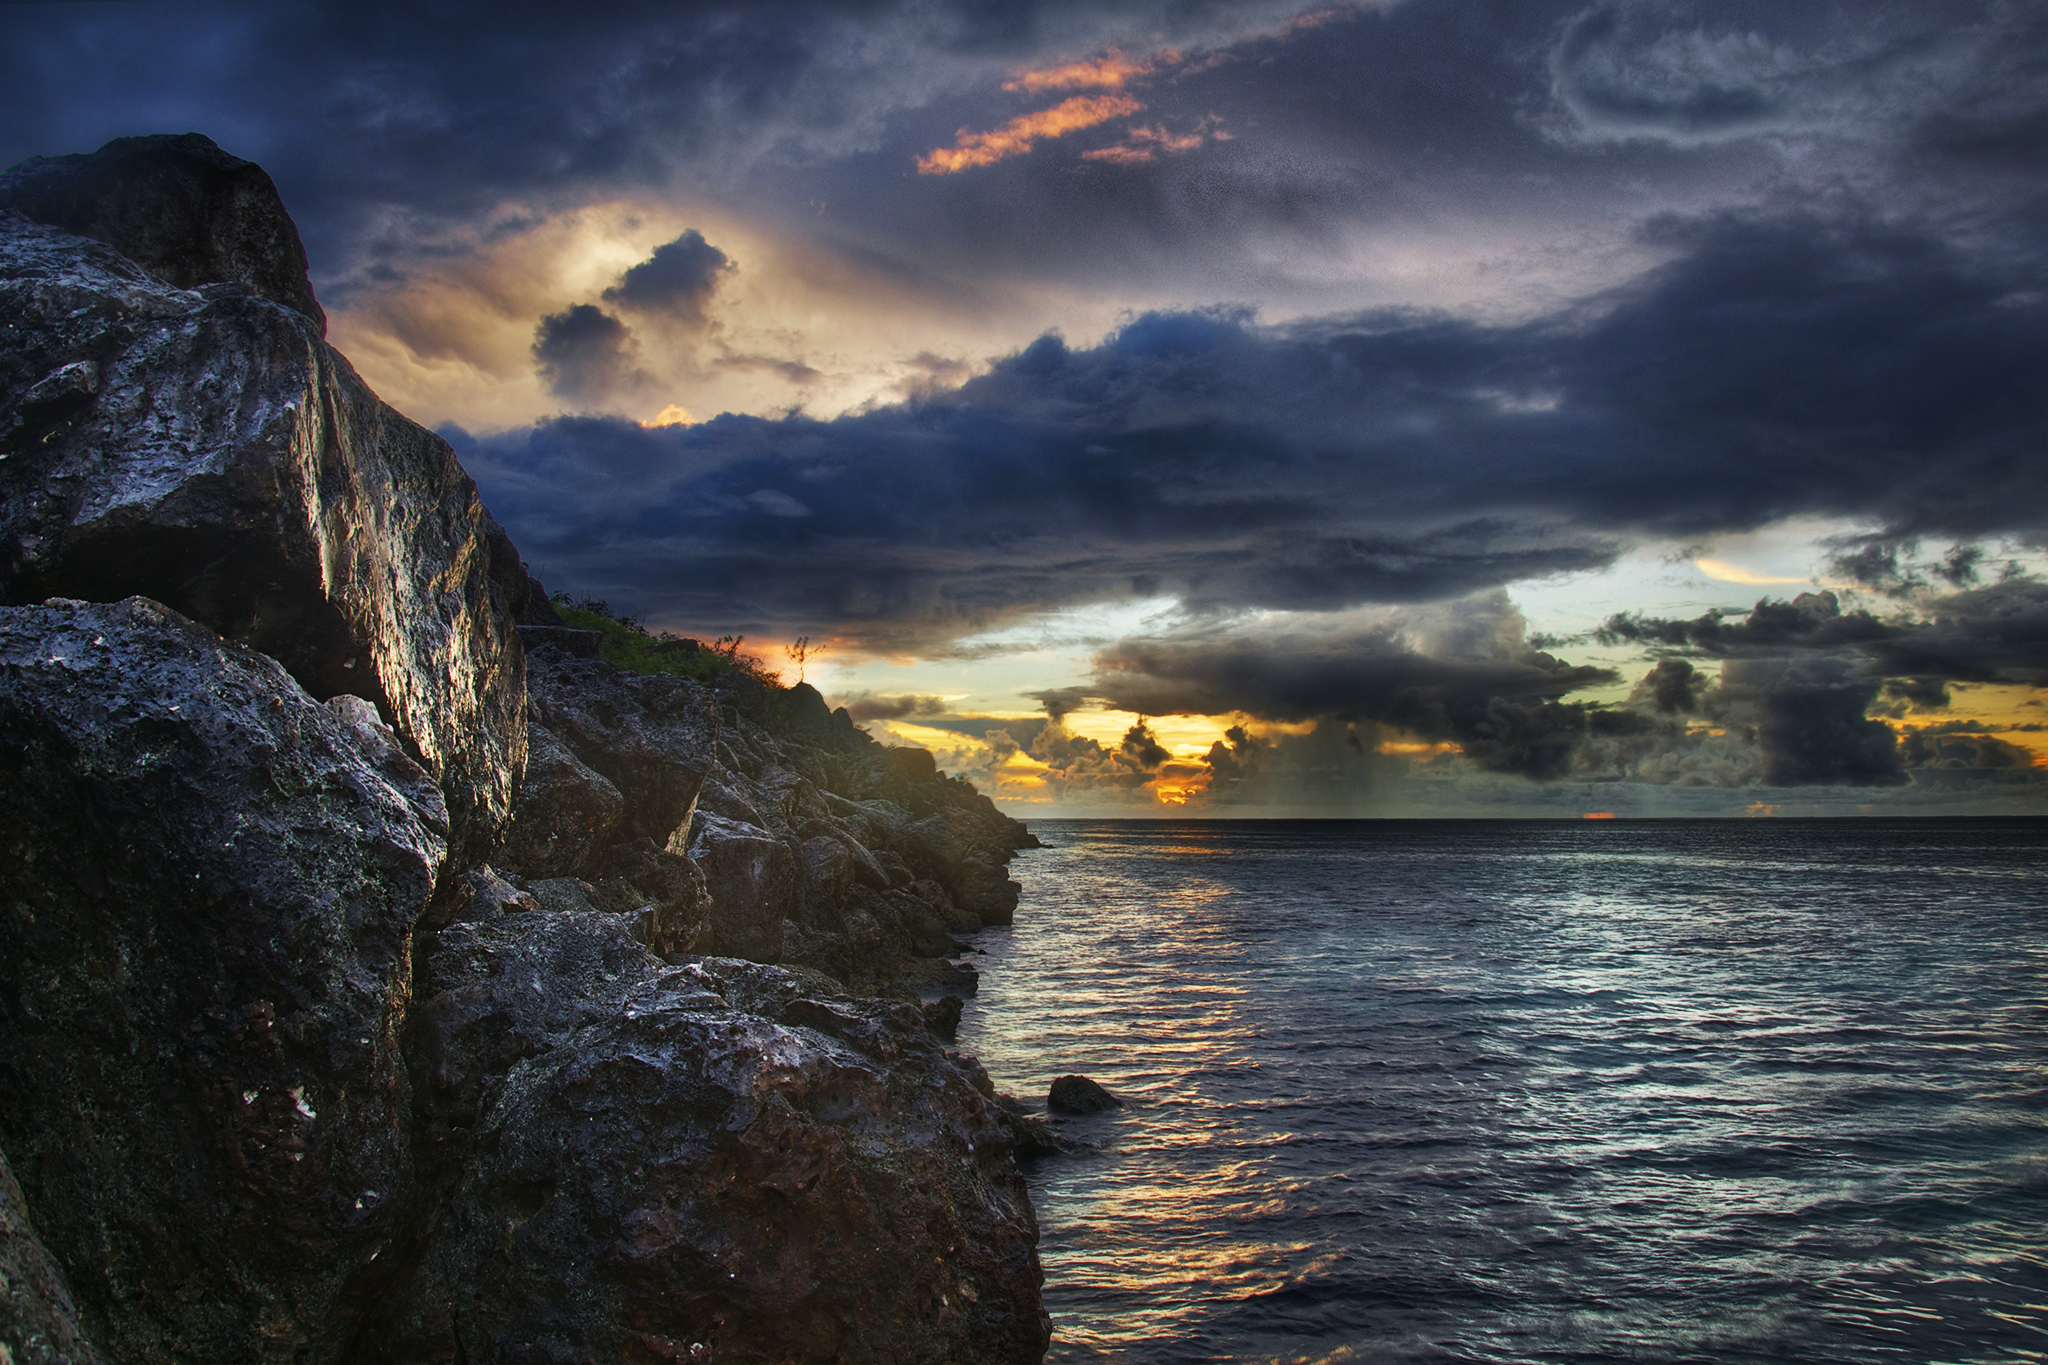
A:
(654, 738)
(730, 1168)
(179, 207)
(207, 449)
(207, 900)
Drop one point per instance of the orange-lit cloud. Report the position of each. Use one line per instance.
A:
(1109, 72)
(1144, 143)
(1020, 134)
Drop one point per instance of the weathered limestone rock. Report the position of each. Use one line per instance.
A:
(688, 1180)
(962, 851)
(206, 449)
(38, 1325)
(207, 898)
(566, 814)
(179, 207)
(653, 738)
(752, 878)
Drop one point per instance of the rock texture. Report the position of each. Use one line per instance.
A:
(179, 207)
(711, 1161)
(38, 1325)
(288, 1071)
(205, 448)
(1079, 1095)
(818, 847)
(206, 910)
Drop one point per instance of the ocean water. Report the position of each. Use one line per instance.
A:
(1770, 1091)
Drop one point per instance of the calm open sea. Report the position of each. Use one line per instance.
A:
(1771, 1091)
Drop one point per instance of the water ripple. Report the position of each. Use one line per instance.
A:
(1521, 1091)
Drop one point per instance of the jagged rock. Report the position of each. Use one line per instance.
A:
(209, 451)
(38, 1325)
(1079, 1095)
(651, 737)
(942, 1016)
(179, 207)
(829, 866)
(664, 894)
(752, 879)
(207, 899)
(963, 851)
(688, 1181)
(481, 895)
(503, 989)
(566, 814)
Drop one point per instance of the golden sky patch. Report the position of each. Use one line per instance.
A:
(1108, 72)
(1020, 134)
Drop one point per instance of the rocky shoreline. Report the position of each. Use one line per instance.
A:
(384, 977)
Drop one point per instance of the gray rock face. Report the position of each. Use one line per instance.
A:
(653, 738)
(179, 207)
(567, 814)
(752, 878)
(207, 900)
(206, 449)
(805, 1179)
(38, 1325)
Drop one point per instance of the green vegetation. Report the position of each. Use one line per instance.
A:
(629, 645)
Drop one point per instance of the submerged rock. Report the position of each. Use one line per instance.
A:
(206, 449)
(207, 902)
(1079, 1095)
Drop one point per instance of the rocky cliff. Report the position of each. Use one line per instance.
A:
(379, 986)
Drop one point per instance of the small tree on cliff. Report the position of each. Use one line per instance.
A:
(802, 650)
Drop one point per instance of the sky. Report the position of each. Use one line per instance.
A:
(1411, 408)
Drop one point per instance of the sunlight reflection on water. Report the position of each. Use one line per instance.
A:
(1521, 1091)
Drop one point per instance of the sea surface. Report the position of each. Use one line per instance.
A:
(1717, 1091)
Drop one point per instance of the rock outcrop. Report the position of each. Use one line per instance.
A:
(205, 448)
(818, 847)
(715, 1160)
(179, 207)
(206, 910)
(288, 1070)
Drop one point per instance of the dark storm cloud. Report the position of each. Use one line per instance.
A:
(1686, 73)
(397, 121)
(1791, 704)
(1984, 635)
(1463, 677)
(1777, 367)
(866, 706)
(584, 354)
(678, 279)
